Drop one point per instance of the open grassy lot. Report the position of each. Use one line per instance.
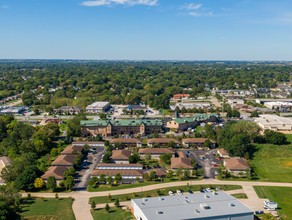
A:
(273, 163)
(113, 214)
(159, 192)
(240, 195)
(281, 195)
(48, 209)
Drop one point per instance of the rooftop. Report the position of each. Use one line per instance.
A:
(64, 160)
(194, 206)
(125, 140)
(56, 171)
(181, 162)
(122, 122)
(121, 154)
(72, 148)
(5, 160)
(114, 165)
(236, 163)
(194, 140)
(162, 140)
(114, 172)
(155, 151)
(94, 105)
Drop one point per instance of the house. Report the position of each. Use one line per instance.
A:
(113, 166)
(159, 172)
(191, 105)
(193, 142)
(4, 162)
(55, 171)
(72, 149)
(12, 110)
(121, 156)
(121, 127)
(237, 166)
(127, 142)
(128, 176)
(97, 107)
(222, 153)
(181, 162)
(64, 160)
(136, 108)
(89, 143)
(162, 142)
(181, 96)
(68, 110)
(155, 153)
(201, 206)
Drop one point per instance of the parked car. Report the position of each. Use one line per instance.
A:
(171, 193)
(259, 212)
(179, 192)
(190, 192)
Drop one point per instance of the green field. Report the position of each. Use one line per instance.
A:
(159, 192)
(281, 195)
(47, 209)
(113, 214)
(240, 195)
(273, 163)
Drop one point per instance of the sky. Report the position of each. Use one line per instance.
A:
(146, 29)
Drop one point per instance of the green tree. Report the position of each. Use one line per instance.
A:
(107, 157)
(152, 175)
(169, 174)
(118, 177)
(274, 137)
(69, 182)
(38, 183)
(117, 202)
(134, 158)
(187, 174)
(9, 202)
(165, 158)
(179, 173)
(107, 208)
(93, 204)
(51, 183)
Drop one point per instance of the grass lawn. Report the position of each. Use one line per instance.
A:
(49, 209)
(114, 213)
(273, 163)
(158, 192)
(134, 185)
(281, 195)
(240, 195)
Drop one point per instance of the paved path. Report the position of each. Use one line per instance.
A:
(81, 207)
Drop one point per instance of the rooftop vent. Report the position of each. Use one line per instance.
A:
(145, 199)
(205, 206)
(159, 212)
(161, 199)
(206, 196)
(231, 204)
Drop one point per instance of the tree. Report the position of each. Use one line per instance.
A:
(93, 204)
(107, 157)
(51, 183)
(274, 137)
(25, 180)
(102, 179)
(38, 183)
(134, 158)
(117, 202)
(107, 208)
(169, 174)
(118, 177)
(165, 158)
(207, 143)
(179, 173)
(9, 202)
(152, 175)
(187, 174)
(69, 182)
(92, 181)
(109, 180)
(254, 114)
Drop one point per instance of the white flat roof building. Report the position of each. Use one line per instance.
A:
(280, 106)
(274, 122)
(207, 206)
(97, 107)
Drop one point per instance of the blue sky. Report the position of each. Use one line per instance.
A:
(146, 29)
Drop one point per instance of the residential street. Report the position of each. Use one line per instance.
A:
(81, 207)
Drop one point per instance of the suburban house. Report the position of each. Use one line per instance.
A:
(126, 142)
(64, 160)
(97, 107)
(4, 162)
(113, 166)
(222, 153)
(68, 110)
(72, 149)
(121, 127)
(57, 172)
(155, 153)
(237, 166)
(193, 142)
(200, 206)
(181, 162)
(89, 143)
(159, 172)
(180, 96)
(121, 156)
(157, 142)
(128, 176)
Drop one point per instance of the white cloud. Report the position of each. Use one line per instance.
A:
(192, 6)
(93, 3)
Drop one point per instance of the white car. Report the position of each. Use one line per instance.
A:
(171, 193)
(179, 192)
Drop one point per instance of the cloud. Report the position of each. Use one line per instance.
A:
(93, 3)
(199, 14)
(192, 6)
